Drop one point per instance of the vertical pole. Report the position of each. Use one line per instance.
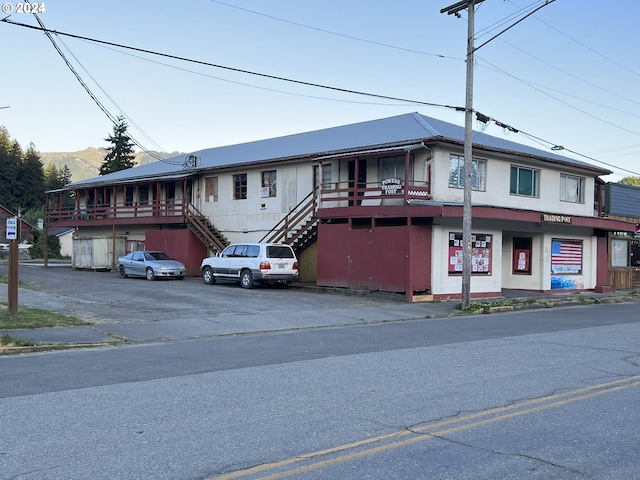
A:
(46, 246)
(468, 161)
(13, 278)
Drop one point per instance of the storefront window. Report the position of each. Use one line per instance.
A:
(619, 253)
(566, 256)
(480, 254)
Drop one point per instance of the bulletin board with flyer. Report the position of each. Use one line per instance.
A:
(480, 254)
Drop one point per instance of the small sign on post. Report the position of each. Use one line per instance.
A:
(12, 228)
(12, 234)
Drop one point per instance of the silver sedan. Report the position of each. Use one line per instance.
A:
(151, 265)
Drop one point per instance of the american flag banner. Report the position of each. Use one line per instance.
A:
(566, 256)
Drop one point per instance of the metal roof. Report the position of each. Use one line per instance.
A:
(378, 134)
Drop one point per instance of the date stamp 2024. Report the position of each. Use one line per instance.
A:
(22, 7)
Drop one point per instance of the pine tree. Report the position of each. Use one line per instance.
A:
(120, 155)
(30, 175)
(10, 158)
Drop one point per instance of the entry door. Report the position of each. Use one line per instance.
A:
(362, 177)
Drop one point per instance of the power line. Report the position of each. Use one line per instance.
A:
(330, 32)
(274, 77)
(82, 82)
(238, 70)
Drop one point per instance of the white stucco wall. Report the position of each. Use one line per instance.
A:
(444, 283)
(540, 278)
(251, 218)
(497, 186)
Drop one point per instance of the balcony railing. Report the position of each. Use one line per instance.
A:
(386, 192)
(161, 208)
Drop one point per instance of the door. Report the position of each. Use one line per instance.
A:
(357, 168)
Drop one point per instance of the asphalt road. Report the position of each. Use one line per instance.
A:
(377, 390)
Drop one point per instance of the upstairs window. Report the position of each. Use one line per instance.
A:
(478, 173)
(268, 184)
(240, 186)
(525, 181)
(211, 189)
(571, 188)
(393, 167)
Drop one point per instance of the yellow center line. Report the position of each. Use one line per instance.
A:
(429, 431)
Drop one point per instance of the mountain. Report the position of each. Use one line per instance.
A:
(86, 163)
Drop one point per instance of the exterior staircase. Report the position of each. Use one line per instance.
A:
(205, 230)
(299, 228)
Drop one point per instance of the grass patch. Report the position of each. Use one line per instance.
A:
(7, 340)
(5, 280)
(35, 318)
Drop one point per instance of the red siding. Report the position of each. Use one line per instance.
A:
(182, 245)
(333, 255)
(389, 270)
(420, 258)
(384, 258)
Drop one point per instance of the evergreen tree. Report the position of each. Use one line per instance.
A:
(30, 175)
(10, 158)
(120, 155)
(51, 177)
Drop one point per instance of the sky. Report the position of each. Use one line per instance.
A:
(567, 75)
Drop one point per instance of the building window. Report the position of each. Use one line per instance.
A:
(480, 254)
(327, 177)
(240, 186)
(566, 257)
(211, 189)
(128, 196)
(393, 167)
(478, 173)
(571, 188)
(525, 181)
(522, 256)
(143, 194)
(268, 184)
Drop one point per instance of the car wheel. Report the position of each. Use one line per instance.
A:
(150, 275)
(246, 278)
(207, 276)
(123, 274)
(180, 278)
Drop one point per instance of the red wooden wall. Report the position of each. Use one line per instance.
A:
(375, 256)
(182, 245)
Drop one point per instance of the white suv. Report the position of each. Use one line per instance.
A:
(252, 263)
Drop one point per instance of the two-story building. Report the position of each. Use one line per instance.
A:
(375, 205)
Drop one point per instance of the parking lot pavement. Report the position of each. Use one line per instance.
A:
(137, 310)
(141, 311)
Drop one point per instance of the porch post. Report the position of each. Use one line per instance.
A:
(407, 156)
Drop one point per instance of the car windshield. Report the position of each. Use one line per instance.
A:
(279, 251)
(157, 256)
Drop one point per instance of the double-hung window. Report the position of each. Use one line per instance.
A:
(240, 186)
(268, 184)
(524, 181)
(478, 173)
(571, 188)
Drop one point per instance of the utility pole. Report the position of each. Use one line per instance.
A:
(468, 147)
(455, 9)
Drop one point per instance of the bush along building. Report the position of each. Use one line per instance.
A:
(375, 205)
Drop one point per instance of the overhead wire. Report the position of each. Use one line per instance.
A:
(238, 70)
(275, 77)
(339, 34)
(521, 14)
(109, 115)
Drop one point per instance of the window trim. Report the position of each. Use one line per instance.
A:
(563, 188)
(460, 172)
(272, 178)
(535, 177)
(240, 186)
